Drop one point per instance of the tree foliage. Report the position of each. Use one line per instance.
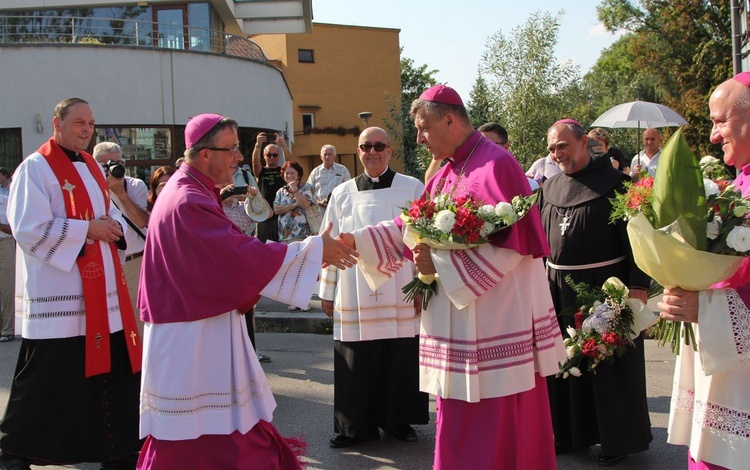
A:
(526, 80)
(679, 48)
(481, 106)
(414, 80)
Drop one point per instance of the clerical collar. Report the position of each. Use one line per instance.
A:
(464, 150)
(376, 179)
(74, 157)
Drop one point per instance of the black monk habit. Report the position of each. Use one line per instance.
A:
(609, 407)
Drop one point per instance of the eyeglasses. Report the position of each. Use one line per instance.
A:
(234, 149)
(274, 155)
(378, 146)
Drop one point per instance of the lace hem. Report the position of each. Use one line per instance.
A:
(713, 416)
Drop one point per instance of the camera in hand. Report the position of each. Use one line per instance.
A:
(236, 191)
(115, 168)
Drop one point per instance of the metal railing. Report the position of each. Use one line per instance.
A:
(125, 32)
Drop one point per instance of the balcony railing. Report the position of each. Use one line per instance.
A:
(125, 32)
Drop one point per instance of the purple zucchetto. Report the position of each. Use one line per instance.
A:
(744, 78)
(442, 94)
(568, 121)
(199, 126)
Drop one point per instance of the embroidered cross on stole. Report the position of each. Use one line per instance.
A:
(91, 267)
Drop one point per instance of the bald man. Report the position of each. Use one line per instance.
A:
(710, 410)
(648, 158)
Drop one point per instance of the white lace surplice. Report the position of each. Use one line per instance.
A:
(710, 410)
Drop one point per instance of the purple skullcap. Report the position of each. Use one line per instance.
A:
(743, 77)
(568, 121)
(442, 94)
(199, 126)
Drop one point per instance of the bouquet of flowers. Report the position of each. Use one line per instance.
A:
(606, 323)
(459, 223)
(687, 227)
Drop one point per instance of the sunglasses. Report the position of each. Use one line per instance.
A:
(274, 155)
(379, 147)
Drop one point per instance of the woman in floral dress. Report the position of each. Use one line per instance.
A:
(290, 204)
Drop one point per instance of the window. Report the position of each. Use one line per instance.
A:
(308, 121)
(305, 55)
(11, 151)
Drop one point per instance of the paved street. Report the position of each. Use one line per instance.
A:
(301, 375)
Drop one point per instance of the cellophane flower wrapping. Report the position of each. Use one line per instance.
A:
(454, 223)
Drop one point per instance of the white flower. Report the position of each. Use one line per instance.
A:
(739, 239)
(444, 221)
(571, 331)
(571, 352)
(575, 371)
(712, 229)
(486, 229)
(486, 211)
(740, 210)
(503, 209)
(566, 375)
(616, 283)
(712, 189)
(602, 348)
(709, 160)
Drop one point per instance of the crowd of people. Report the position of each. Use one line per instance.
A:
(124, 361)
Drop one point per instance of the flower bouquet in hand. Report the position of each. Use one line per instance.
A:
(606, 323)
(460, 223)
(688, 231)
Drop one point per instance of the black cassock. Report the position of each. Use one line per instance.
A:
(609, 407)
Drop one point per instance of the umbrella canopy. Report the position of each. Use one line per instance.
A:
(639, 114)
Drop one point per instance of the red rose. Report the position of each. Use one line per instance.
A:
(589, 348)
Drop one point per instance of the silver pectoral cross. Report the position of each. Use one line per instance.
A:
(564, 224)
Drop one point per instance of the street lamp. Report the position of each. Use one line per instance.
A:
(365, 116)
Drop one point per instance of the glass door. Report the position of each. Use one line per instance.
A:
(170, 28)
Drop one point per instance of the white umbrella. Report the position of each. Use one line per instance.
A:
(639, 114)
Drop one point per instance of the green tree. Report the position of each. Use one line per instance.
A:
(481, 106)
(526, 81)
(414, 80)
(683, 47)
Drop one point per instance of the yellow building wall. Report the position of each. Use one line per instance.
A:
(354, 69)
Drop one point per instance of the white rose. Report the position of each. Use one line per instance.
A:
(566, 375)
(575, 371)
(486, 229)
(503, 209)
(444, 221)
(571, 331)
(709, 160)
(616, 283)
(712, 189)
(486, 211)
(712, 229)
(571, 352)
(739, 211)
(739, 239)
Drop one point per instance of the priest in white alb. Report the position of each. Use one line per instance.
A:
(375, 362)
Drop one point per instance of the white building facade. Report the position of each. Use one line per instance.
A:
(145, 68)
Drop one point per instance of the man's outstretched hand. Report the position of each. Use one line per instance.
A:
(337, 252)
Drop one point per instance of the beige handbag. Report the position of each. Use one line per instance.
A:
(314, 218)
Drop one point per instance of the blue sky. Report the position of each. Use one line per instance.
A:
(451, 38)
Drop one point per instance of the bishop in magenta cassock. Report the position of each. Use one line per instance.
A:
(205, 402)
(489, 336)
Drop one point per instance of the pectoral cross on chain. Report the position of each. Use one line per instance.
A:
(375, 294)
(564, 224)
(98, 339)
(133, 336)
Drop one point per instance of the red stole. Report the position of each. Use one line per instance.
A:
(91, 266)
